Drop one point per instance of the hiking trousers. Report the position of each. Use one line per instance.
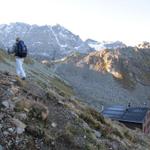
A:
(19, 68)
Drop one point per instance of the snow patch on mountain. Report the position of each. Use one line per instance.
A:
(58, 42)
(98, 46)
(104, 44)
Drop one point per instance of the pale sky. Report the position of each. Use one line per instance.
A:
(109, 20)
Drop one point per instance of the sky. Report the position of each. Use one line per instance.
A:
(102, 20)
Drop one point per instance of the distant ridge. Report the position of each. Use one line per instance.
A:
(44, 41)
(50, 42)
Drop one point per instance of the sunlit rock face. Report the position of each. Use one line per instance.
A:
(144, 45)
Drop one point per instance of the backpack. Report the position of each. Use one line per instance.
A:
(21, 49)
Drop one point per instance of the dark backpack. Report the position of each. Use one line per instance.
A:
(21, 49)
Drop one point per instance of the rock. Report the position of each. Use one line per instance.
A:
(74, 114)
(18, 123)
(10, 92)
(20, 126)
(21, 116)
(34, 130)
(61, 102)
(5, 133)
(54, 125)
(26, 110)
(20, 130)
(11, 130)
(14, 90)
(115, 145)
(97, 134)
(85, 125)
(84, 136)
(13, 80)
(8, 104)
(16, 99)
(5, 104)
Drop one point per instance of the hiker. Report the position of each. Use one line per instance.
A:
(20, 51)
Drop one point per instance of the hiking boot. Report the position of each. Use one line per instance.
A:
(23, 78)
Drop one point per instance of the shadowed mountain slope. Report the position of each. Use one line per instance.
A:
(110, 77)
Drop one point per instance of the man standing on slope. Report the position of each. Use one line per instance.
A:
(20, 51)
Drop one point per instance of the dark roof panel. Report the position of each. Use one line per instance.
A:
(132, 114)
(136, 114)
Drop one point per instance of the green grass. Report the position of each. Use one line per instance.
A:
(29, 60)
(76, 130)
(63, 89)
(4, 56)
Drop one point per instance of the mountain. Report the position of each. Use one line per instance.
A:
(50, 42)
(105, 44)
(44, 113)
(109, 76)
(44, 41)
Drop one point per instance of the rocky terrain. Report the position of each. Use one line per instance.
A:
(109, 77)
(43, 113)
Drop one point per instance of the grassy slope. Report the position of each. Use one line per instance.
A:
(78, 126)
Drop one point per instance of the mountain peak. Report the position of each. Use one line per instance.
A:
(58, 26)
(91, 41)
(48, 42)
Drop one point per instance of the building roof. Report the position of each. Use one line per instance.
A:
(124, 114)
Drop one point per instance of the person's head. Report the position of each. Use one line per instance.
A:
(17, 39)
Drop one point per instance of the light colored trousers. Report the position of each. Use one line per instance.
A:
(19, 67)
